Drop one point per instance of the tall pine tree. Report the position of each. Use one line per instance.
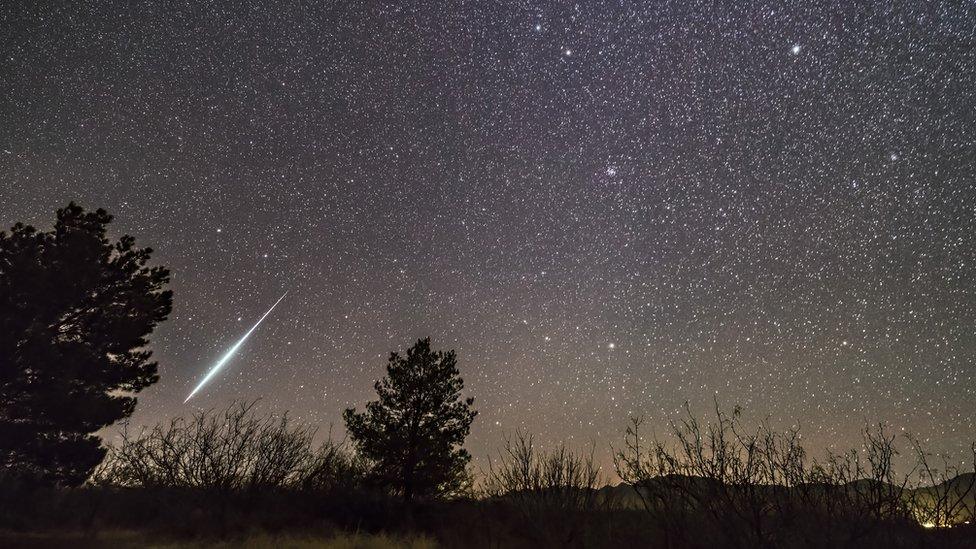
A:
(75, 312)
(414, 432)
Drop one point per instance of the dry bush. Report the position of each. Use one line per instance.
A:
(734, 481)
(230, 450)
(757, 488)
(945, 495)
(554, 492)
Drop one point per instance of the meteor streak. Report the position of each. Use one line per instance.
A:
(224, 359)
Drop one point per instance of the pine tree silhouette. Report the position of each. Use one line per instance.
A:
(414, 432)
(75, 311)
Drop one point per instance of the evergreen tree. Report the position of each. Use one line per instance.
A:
(75, 311)
(414, 432)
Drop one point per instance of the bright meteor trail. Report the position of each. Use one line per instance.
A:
(224, 359)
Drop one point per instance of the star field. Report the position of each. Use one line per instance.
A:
(607, 208)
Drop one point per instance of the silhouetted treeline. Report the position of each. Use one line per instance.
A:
(76, 311)
(219, 474)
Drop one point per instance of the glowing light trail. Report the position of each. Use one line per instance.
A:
(223, 360)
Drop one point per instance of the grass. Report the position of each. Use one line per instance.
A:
(133, 539)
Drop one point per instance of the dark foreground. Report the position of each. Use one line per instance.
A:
(103, 517)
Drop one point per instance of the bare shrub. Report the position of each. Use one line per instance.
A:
(858, 492)
(553, 491)
(230, 450)
(758, 488)
(945, 495)
(737, 481)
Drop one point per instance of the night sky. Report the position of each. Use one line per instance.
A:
(606, 208)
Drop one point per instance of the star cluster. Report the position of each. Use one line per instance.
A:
(606, 208)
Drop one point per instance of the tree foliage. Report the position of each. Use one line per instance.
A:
(75, 313)
(414, 432)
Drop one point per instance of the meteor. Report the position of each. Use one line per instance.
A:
(230, 352)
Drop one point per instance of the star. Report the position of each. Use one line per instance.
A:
(731, 213)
